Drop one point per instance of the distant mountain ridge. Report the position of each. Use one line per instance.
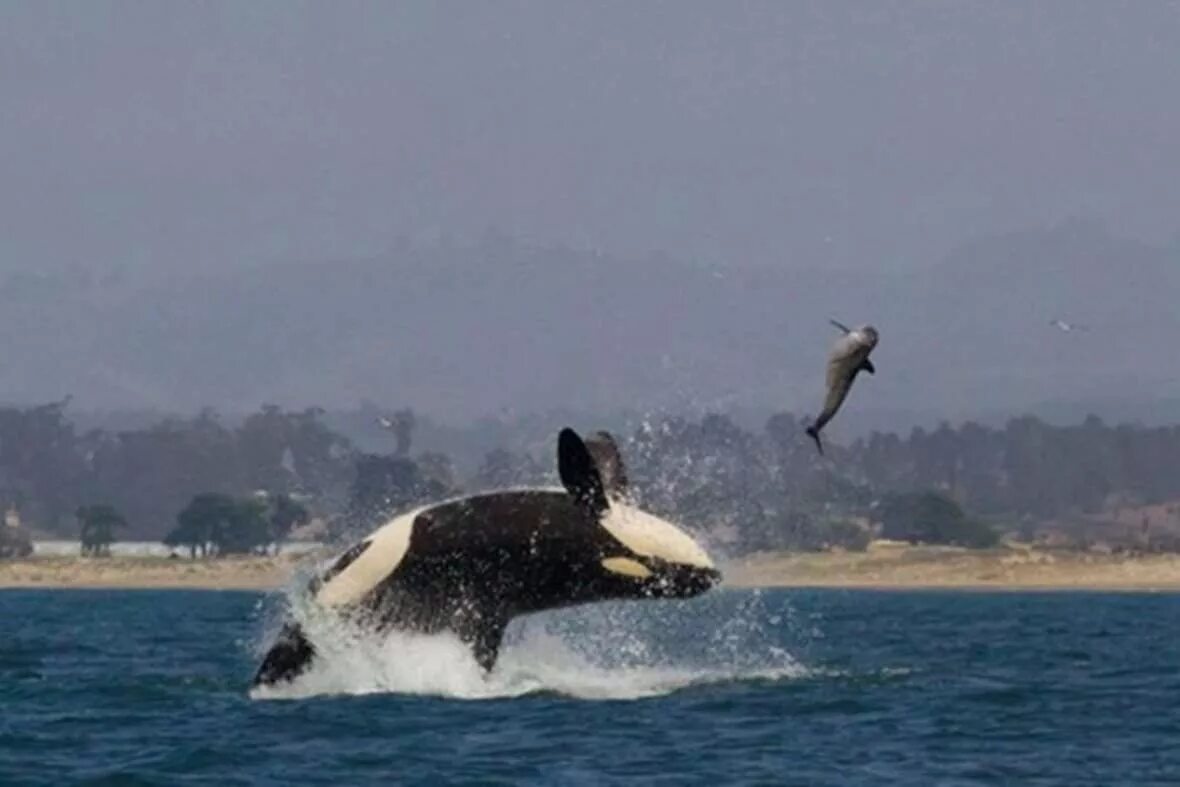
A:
(460, 333)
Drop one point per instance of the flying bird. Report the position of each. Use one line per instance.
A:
(1067, 327)
(849, 357)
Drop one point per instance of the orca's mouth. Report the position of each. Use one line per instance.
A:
(686, 581)
(705, 579)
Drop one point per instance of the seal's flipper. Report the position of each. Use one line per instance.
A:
(840, 325)
(867, 366)
(609, 462)
(287, 658)
(813, 433)
(578, 472)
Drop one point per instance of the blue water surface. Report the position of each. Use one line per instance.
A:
(737, 687)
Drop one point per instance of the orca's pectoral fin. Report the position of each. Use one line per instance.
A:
(579, 474)
(288, 657)
(867, 366)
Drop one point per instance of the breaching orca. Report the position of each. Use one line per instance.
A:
(849, 356)
(471, 564)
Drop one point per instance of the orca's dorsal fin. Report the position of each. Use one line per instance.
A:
(609, 462)
(578, 472)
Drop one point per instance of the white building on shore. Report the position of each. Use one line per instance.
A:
(148, 549)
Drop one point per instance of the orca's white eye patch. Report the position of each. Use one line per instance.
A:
(650, 536)
(627, 567)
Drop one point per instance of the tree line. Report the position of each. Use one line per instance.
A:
(209, 488)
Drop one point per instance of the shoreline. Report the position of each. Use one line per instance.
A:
(1015, 568)
(148, 573)
(881, 568)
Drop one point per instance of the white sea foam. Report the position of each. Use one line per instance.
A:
(609, 651)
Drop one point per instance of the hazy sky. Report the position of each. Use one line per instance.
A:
(786, 133)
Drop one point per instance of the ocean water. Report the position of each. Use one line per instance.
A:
(736, 687)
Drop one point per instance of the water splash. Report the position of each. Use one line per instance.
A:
(608, 651)
(612, 650)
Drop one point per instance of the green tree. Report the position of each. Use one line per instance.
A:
(150, 473)
(284, 515)
(98, 524)
(40, 463)
(201, 524)
(402, 424)
(294, 452)
(14, 542)
(932, 518)
(196, 522)
(216, 524)
(247, 529)
(386, 484)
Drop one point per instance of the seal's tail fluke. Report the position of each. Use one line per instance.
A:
(813, 433)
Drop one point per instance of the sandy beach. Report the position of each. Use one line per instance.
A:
(890, 566)
(235, 573)
(884, 566)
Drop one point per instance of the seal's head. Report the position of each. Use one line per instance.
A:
(866, 335)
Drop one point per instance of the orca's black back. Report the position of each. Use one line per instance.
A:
(505, 520)
(502, 553)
